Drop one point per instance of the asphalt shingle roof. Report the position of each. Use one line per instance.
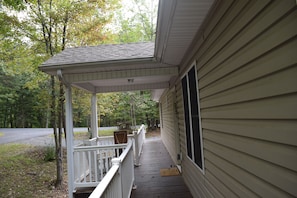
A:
(102, 53)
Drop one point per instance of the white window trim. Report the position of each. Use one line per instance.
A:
(161, 114)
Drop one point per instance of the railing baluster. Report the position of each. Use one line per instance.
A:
(95, 166)
(84, 166)
(90, 166)
(106, 161)
(119, 180)
(79, 167)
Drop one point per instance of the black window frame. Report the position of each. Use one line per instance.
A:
(192, 118)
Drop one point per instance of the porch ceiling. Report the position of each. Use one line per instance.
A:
(136, 66)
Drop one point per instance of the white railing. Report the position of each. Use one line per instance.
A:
(91, 163)
(105, 140)
(93, 160)
(138, 143)
(119, 180)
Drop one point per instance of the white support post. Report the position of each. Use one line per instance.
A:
(119, 188)
(136, 142)
(69, 138)
(94, 117)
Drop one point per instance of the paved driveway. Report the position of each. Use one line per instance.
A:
(33, 136)
(19, 134)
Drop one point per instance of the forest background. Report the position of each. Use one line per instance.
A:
(32, 31)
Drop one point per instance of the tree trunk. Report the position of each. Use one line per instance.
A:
(58, 139)
(57, 134)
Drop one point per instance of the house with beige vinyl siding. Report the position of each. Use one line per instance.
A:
(245, 58)
(228, 98)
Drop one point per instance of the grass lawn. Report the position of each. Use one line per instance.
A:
(101, 132)
(1, 134)
(106, 132)
(24, 173)
(77, 135)
(82, 135)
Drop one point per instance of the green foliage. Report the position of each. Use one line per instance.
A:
(21, 86)
(81, 108)
(30, 33)
(15, 4)
(116, 108)
(87, 22)
(50, 154)
(138, 21)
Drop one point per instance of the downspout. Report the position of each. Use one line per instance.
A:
(69, 132)
(61, 78)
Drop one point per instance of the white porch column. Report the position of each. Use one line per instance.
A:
(69, 138)
(94, 117)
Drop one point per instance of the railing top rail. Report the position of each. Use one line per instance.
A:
(105, 181)
(93, 139)
(126, 151)
(105, 137)
(103, 185)
(109, 137)
(96, 147)
(141, 128)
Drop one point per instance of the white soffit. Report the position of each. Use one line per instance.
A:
(133, 73)
(179, 21)
(125, 80)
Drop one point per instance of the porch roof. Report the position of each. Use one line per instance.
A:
(100, 53)
(135, 66)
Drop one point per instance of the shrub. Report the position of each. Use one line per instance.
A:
(50, 154)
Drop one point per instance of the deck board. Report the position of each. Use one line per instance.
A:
(149, 182)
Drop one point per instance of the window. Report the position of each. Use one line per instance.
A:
(192, 117)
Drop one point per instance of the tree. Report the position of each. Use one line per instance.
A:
(127, 107)
(81, 108)
(47, 27)
(31, 31)
(135, 22)
(22, 97)
(138, 22)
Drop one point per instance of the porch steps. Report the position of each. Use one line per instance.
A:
(83, 192)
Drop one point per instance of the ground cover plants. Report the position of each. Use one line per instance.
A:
(26, 173)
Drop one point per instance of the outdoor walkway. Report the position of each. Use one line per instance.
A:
(149, 182)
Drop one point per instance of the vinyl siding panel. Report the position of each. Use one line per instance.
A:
(247, 78)
(195, 179)
(169, 130)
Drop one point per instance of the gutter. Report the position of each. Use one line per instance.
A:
(161, 43)
(52, 68)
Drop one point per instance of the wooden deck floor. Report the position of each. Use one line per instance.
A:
(149, 182)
